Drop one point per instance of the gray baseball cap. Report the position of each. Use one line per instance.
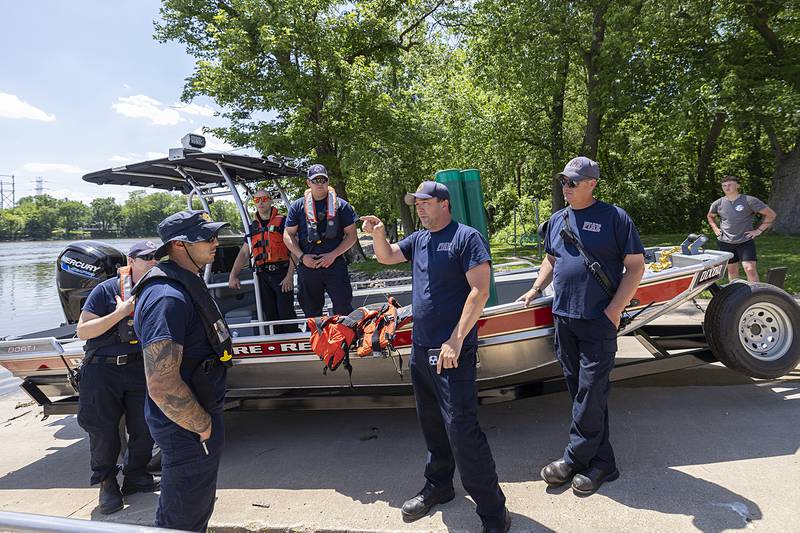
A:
(142, 248)
(581, 168)
(317, 170)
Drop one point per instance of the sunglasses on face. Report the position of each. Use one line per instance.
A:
(211, 239)
(148, 257)
(262, 199)
(319, 180)
(566, 182)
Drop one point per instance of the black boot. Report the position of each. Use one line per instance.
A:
(110, 495)
(147, 484)
(419, 505)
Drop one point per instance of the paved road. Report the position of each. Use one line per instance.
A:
(702, 449)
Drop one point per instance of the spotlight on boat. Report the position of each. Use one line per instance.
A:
(193, 140)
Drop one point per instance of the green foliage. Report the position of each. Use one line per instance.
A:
(44, 217)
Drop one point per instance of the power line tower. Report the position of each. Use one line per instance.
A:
(7, 194)
(39, 186)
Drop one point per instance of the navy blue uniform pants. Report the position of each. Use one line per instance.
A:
(315, 281)
(447, 408)
(586, 351)
(107, 392)
(276, 304)
(189, 476)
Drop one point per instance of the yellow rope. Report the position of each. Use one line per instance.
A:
(664, 260)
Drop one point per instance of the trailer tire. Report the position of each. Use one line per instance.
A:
(712, 323)
(754, 328)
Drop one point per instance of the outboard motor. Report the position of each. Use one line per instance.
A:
(79, 268)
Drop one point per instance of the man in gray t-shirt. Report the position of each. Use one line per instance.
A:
(735, 232)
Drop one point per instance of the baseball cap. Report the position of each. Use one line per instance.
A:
(142, 248)
(581, 168)
(317, 170)
(426, 190)
(188, 226)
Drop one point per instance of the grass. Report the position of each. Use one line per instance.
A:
(370, 266)
(773, 251)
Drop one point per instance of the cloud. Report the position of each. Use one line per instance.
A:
(195, 109)
(60, 168)
(135, 157)
(214, 143)
(158, 113)
(12, 107)
(141, 106)
(122, 159)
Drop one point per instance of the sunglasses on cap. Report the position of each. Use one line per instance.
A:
(261, 199)
(319, 180)
(146, 257)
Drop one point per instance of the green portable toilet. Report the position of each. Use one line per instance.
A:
(451, 178)
(476, 214)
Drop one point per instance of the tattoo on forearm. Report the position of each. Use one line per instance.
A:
(162, 361)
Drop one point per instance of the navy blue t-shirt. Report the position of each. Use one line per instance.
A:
(439, 285)
(608, 235)
(297, 217)
(102, 301)
(165, 311)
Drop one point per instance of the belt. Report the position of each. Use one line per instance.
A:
(272, 267)
(117, 360)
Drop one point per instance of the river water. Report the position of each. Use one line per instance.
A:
(28, 294)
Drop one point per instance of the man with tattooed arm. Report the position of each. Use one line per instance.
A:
(186, 345)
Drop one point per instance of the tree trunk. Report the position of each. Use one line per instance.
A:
(704, 185)
(405, 214)
(591, 59)
(784, 198)
(557, 130)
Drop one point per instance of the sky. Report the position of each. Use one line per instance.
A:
(84, 87)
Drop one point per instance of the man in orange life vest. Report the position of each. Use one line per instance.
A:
(271, 263)
(113, 383)
(320, 228)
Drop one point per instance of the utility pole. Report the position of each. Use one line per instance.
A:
(7, 196)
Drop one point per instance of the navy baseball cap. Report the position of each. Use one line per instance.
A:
(581, 168)
(142, 248)
(426, 190)
(317, 170)
(188, 226)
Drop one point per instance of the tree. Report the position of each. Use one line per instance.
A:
(72, 215)
(40, 214)
(295, 60)
(106, 213)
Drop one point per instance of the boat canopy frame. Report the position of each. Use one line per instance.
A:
(207, 175)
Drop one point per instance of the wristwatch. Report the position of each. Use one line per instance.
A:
(538, 289)
(300, 259)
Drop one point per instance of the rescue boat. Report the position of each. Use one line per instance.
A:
(752, 328)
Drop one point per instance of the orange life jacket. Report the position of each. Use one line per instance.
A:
(331, 227)
(378, 331)
(125, 283)
(371, 332)
(268, 245)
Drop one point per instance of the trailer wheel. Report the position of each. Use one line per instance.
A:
(755, 328)
(712, 323)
